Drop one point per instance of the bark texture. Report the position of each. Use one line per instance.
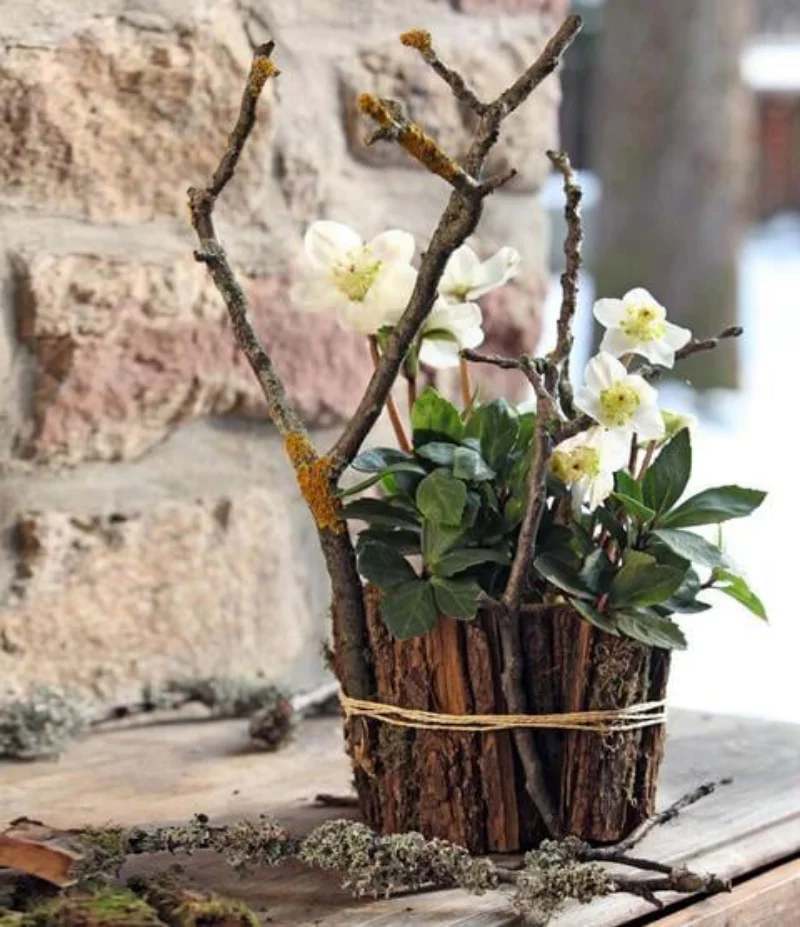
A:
(673, 134)
(469, 788)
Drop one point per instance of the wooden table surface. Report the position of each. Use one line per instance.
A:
(167, 772)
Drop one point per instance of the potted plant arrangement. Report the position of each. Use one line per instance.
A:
(505, 579)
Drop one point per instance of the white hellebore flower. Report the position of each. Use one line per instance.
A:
(587, 463)
(369, 285)
(618, 399)
(636, 324)
(447, 330)
(466, 278)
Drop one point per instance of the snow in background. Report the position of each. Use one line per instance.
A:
(735, 663)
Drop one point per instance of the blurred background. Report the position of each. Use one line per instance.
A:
(684, 119)
(149, 525)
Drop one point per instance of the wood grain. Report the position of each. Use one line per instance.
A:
(169, 772)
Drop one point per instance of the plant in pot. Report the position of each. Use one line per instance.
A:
(505, 580)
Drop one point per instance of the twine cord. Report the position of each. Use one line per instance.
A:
(603, 721)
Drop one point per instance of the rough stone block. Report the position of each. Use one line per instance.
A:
(231, 584)
(124, 353)
(117, 121)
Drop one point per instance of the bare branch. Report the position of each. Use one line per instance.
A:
(458, 221)
(695, 346)
(560, 356)
(422, 41)
(394, 127)
(662, 817)
(315, 475)
(544, 65)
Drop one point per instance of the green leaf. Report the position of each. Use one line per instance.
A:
(406, 466)
(666, 479)
(496, 424)
(379, 458)
(562, 573)
(607, 519)
(527, 426)
(457, 598)
(441, 498)
(469, 465)
(692, 547)
(596, 570)
(383, 566)
(465, 557)
(438, 452)
(434, 418)
(684, 599)
(628, 486)
(637, 510)
(409, 609)
(593, 616)
(438, 539)
(714, 505)
(736, 587)
(643, 581)
(381, 512)
(651, 629)
(404, 541)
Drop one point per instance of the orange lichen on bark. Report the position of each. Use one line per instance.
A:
(260, 71)
(412, 138)
(417, 38)
(313, 474)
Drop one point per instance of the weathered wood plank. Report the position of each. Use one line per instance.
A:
(772, 898)
(167, 773)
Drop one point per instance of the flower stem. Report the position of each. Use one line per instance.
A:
(648, 457)
(466, 385)
(411, 382)
(391, 407)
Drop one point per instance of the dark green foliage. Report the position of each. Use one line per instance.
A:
(454, 507)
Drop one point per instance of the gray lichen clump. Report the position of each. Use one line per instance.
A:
(375, 865)
(554, 874)
(228, 696)
(41, 724)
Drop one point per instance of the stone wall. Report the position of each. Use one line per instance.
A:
(150, 526)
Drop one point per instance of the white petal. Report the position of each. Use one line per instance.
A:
(648, 395)
(438, 354)
(609, 312)
(315, 292)
(327, 243)
(460, 319)
(639, 296)
(600, 489)
(578, 494)
(364, 317)
(616, 447)
(394, 245)
(391, 291)
(657, 352)
(617, 343)
(648, 423)
(588, 402)
(499, 269)
(603, 371)
(457, 277)
(675, 336)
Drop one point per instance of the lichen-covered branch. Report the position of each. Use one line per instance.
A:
(458, 221)
(421, 40)
(374, 865)
(560, 355)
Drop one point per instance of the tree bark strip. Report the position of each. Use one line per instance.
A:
(469, 787)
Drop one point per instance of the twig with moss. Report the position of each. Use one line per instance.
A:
(374, 865)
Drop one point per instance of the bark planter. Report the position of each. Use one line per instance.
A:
(468, 787)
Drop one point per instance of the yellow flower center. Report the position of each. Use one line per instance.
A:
(355, 277)
(619, 402)
(570, 466)
(641, 323)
